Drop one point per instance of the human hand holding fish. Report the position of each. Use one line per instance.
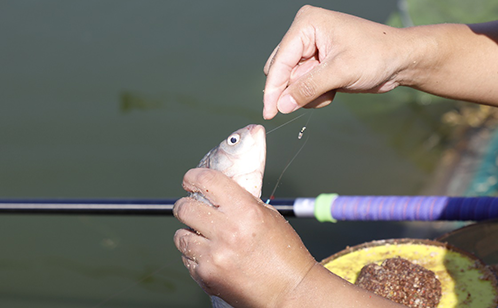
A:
(227, 247)
(246, 253)
(241, 250)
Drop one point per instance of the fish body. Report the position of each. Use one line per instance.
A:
(241, 157)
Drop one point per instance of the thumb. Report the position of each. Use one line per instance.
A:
(313, 89)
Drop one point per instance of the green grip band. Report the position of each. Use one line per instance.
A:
(323, 204)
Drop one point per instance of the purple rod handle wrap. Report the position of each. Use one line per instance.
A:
(414, 208)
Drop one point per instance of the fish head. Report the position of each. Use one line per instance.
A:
(242, 157)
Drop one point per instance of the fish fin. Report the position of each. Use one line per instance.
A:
(206, 160)
(200, 197)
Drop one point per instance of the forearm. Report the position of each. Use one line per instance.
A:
(453, 60)
(321, 288)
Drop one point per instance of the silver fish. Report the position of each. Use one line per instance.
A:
(241, 157)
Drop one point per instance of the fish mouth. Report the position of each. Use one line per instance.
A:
(258, 132)
(256, 129)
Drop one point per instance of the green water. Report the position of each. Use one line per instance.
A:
(103, 99)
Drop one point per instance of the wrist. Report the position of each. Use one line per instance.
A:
(299, 294)
(315, 289)
(419, 54)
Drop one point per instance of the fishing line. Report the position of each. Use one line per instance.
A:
(287, 166)
(299, 136)
(301, 133)
(272, 130)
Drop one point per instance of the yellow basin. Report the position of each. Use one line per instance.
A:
(465, 280)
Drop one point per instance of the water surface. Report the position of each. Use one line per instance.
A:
(105, 99)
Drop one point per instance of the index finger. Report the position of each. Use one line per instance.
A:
(217, 188)
(279, 69)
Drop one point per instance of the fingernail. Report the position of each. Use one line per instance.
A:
(287, 104)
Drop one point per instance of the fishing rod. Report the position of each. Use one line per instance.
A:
(325, 207)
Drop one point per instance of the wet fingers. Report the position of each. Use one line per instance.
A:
(191, 244)
(198, 215)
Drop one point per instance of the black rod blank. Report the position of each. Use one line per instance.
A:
(107, 206)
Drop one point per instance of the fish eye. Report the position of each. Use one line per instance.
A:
(233, 139)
